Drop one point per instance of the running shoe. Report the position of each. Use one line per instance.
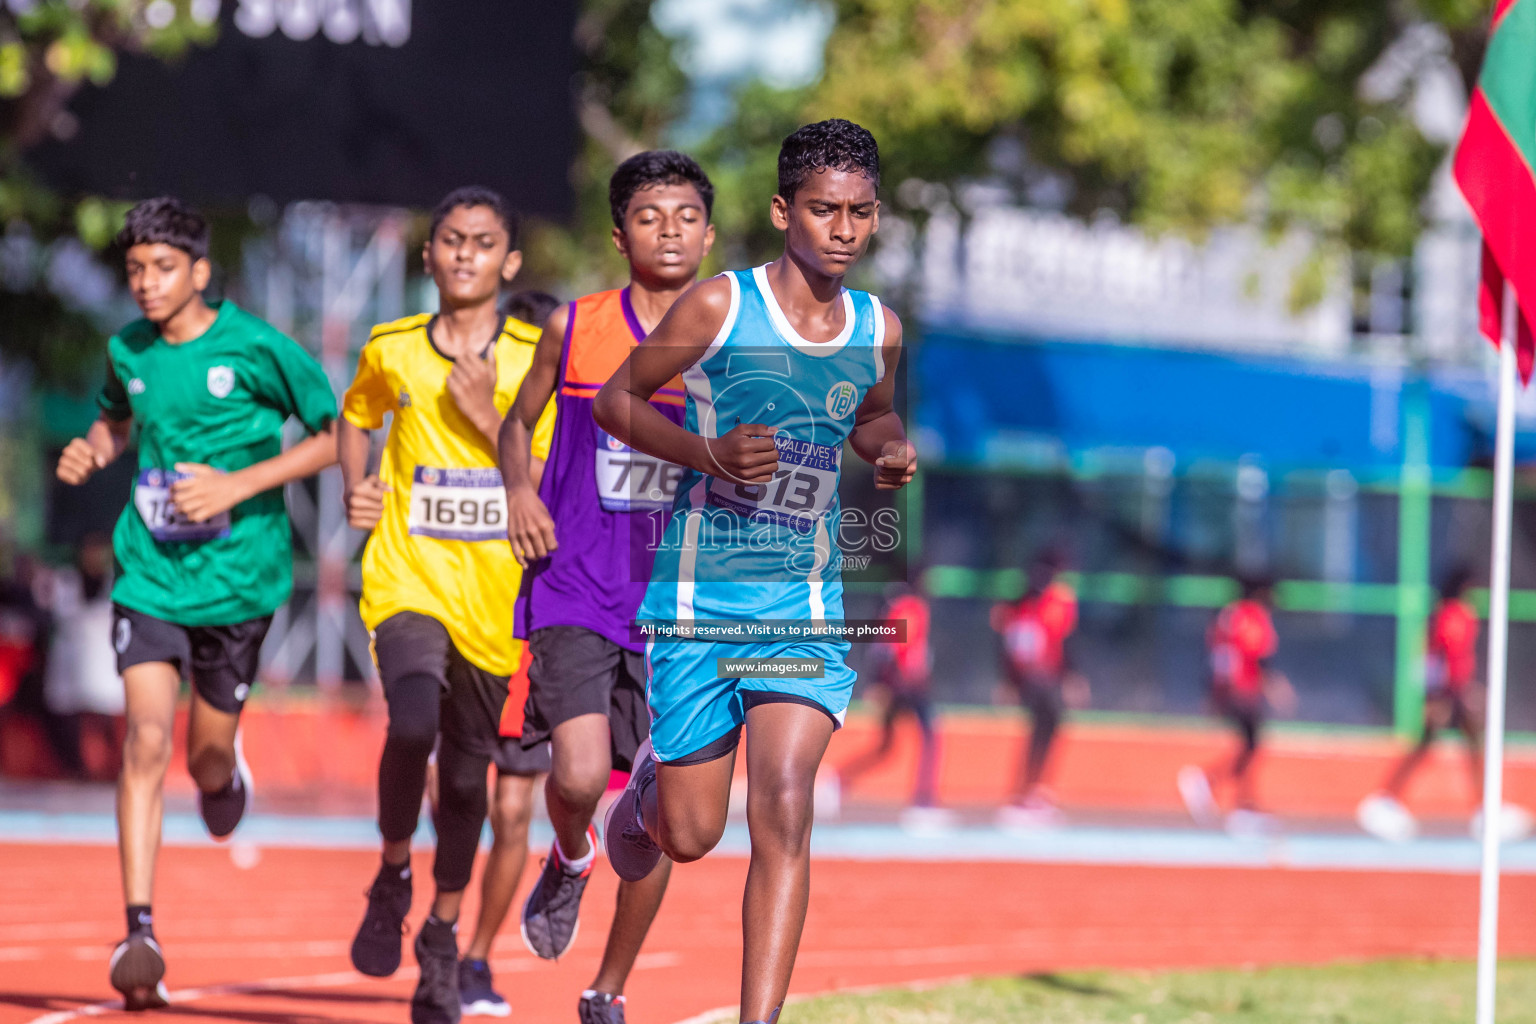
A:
(1515, 824)
(1386, 818)
(1246, 823)
(551, 912)
(376, 947)
(436, 1000)
(137, 971)
(631, 850)
(477, 998)
(1035, 812)
(1195, 790)
(600, 1008)
(223, 810)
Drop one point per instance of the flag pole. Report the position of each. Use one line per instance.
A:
(1498, 658)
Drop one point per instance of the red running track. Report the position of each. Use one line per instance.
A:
(282, 928)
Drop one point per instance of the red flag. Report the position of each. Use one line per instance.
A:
(1495, 166)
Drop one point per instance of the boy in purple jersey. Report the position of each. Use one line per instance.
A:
(584, 537)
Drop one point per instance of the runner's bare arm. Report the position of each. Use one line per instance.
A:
(103, 443)
(208, 491)
(746, 453)
(530, 529)
(362, 491)
(878, 436)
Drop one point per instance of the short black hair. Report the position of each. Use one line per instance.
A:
(835, 145)
(167, 220)
(1456, 582)
(477, 195)
(530, 306)
(652, 168)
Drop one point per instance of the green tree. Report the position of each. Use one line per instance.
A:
(49, 49)
(630, 92)
(1178, 115)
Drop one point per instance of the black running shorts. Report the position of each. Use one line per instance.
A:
(221, 661)
(512, 759)
(577, 672)
(410, 645)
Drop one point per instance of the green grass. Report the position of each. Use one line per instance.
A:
(1404, 992)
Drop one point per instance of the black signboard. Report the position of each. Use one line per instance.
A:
(370, 101)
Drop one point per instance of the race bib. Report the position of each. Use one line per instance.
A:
(798, 495)
(152, 497)
(1027, 643)
(629, 481)
(458, 504)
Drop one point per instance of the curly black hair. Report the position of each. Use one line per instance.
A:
(477, 195)
(167, 220)
(836, 145)
(652, 168)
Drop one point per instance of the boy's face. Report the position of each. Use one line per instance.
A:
(830, 221)
(666, 233)
(469, 256)
(163, 279)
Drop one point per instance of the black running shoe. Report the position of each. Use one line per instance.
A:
(631, 850)
(137, 969)
(376, 948)
(223, 810)
(600, 1008)
(436, 1000)
(477, 995)
(550, 914)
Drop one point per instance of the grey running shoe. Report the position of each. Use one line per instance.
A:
(631, 850)
(551, 912)
(436, 1000)
(137, 969)
(223, 810)
(600, 1008)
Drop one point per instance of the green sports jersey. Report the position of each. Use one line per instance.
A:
(220, 399)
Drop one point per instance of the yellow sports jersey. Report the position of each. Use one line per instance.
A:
(441, 547)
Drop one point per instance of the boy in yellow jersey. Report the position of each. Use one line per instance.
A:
(438, 574)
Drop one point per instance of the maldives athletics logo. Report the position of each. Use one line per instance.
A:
(840, 399)
(221, 381)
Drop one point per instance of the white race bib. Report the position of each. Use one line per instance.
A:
(629, 481)
(458, 504)
(152, 497)
(800, 492)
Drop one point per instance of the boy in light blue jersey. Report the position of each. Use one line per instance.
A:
(782, 365)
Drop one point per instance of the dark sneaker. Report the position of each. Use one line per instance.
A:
(137, 969)
(631, 850)
(223, 810)
(600, 1008)
(436, 1000)
(476, 996)
(550, 914)
(376, 948)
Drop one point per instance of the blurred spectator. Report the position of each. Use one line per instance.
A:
(901, 674)
(24, 632)
(83, 691)
(1034, 632)
(1244, 686)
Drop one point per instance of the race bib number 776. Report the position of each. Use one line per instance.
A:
(458, 504)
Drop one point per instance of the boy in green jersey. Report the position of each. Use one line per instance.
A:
(204, 546)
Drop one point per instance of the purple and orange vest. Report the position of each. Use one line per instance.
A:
(610, 504)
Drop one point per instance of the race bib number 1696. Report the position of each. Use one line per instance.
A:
(458, 504)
